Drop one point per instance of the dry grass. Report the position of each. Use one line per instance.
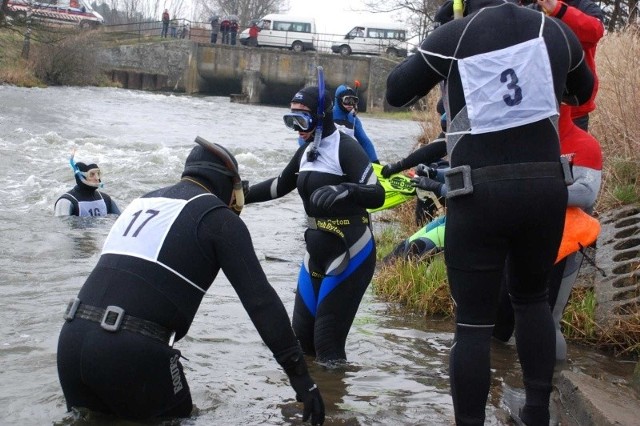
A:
(616, 120)
(616, 124)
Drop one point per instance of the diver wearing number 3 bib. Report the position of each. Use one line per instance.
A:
(504, 71)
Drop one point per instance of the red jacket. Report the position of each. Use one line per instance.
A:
(253, 31)
(589, 31)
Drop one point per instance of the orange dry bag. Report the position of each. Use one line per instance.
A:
(580, 230)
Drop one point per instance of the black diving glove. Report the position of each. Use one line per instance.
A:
(390, 169)
(245, 187)
(326, 196)
(430, 172)
(428, 184)
(307, 391)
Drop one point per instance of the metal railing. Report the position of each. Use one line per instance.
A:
(196, 31)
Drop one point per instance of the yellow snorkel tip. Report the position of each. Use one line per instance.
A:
(458, 9)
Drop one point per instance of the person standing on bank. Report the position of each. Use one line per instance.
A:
(233, 32)
(215, 28)
(165, 23)
(253, 34)
(344, 115)
(84, 199)
(505, 70)
(115, 350)
(336, 182)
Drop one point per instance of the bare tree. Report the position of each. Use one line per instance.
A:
(417, 13)
(245, 10)
(3, 10)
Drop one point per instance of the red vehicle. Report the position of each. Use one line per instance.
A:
(60, 12)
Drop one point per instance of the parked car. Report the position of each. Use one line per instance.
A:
(294, 32)
(373, 39)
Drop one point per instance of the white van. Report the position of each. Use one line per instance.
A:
(373, 39)
(294, 32)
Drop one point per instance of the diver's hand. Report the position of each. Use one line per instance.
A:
(307, 392)
(423, 170)
(326, 196)
(245, 187)
(428, 184)
(390, 169)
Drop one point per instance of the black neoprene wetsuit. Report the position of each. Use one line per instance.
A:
(507, 215)
(161, 256)
(84, 200)
(340, 258)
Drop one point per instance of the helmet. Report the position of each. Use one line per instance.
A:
(210, 162)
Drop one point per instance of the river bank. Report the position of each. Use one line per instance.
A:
(616, 126)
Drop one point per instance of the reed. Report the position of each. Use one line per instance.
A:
(615, 122)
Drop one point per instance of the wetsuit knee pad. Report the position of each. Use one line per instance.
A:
(329, 346)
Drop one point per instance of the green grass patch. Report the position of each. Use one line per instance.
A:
(420, 285)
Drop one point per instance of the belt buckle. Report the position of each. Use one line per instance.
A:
(72, 308)
(459, 173)
(109, 322)
(566, 171)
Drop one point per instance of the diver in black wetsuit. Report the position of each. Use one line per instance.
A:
(506, 68)
(85, 199)
(336, 182)
(115, 352)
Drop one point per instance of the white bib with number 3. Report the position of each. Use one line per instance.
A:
(509, 87)
(506, 88)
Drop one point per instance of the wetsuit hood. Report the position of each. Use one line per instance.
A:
(211, 171)
(82, 167)
(309, 97)
(343, 90)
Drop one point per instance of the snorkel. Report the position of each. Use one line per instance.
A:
(74, 166)
(458, 9)
(312, 154)
(230, 169)
(356, 84)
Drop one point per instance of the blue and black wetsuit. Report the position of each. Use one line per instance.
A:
(508, 189)
(348, 122)
(341, 255)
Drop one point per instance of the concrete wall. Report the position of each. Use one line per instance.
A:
(166, 62)
(253, 75)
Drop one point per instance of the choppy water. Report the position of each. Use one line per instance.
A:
(397, 373)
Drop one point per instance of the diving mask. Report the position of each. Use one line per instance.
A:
(299, 121)
(349, 100)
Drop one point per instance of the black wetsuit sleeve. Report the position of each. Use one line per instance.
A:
(112, 207)
(414, 77)
(427, 154)
(364, 188)
(279, 186)
(237, 258)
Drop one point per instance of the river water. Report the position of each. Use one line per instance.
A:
(397, 370)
